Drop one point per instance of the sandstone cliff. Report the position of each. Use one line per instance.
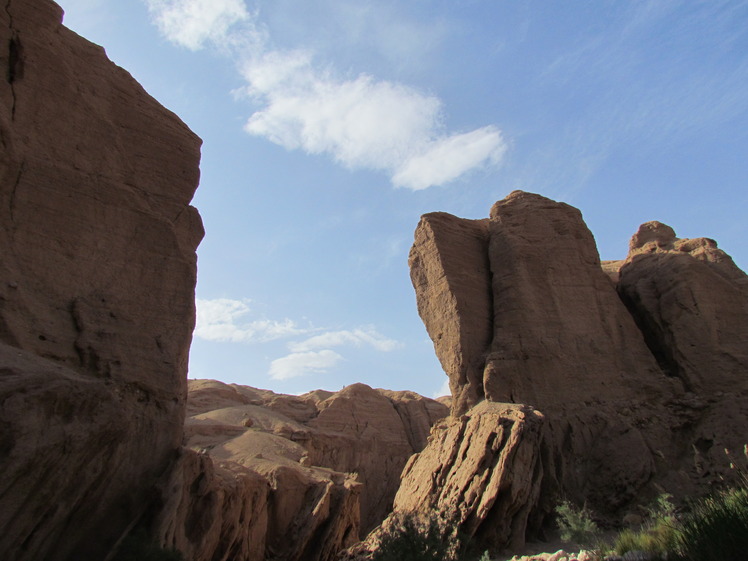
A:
(97, 275)
(640, 383)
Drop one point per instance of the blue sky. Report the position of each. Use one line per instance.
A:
(330, 126)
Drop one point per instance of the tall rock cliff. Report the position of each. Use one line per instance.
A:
(638, 368)
(97, 276)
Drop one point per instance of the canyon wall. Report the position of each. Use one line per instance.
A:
(97, 276)
(637, 368)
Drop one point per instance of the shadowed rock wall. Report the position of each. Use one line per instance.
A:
(97, 276)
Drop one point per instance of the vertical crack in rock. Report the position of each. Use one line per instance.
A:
(15, 59)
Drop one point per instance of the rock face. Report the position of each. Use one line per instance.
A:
(97, 275)
(454, 298)
(691, 303)
(488, 459)
(627, 362)
(331, 462)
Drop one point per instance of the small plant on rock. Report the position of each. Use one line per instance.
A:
(576, 524)
(408, 538)
(657, 537)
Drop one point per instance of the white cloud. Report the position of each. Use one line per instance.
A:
(190, 23)
(357, 337)
(361, 122)
(449, 157)
(302, 363)
(223, 320)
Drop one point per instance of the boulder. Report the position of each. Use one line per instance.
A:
(481, 472)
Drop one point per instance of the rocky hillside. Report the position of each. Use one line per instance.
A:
(329, 463)
(600, 383)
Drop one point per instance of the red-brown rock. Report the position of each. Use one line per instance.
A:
(481, 471)
(97, 280)
(331, 461)
(629, 361)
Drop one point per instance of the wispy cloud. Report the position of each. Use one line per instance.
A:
(360, 122)
(225, 320)
(362, 336)
(314, 355)
(303, 363)
(192, 23)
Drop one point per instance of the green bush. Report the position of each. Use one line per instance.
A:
(409, 539)
(657, 537)
(576, 525)
(716, 529)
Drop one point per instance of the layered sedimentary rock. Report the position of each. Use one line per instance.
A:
(354, 443)
(627, 361)
(214, 511)
(372, 433)
(487, 465)
(97, 276)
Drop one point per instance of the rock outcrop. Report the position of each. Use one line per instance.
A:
(691, 303)
(628, 363)
(486, 464)
(97, 276)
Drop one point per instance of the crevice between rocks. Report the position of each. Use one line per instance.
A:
(15, 59)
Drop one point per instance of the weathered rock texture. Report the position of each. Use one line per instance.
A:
(97, 275)
(488, 463)
(331, 461)
(629, 362)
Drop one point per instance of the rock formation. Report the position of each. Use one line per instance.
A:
(488, 459)
(628, 376)
(97, 276)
